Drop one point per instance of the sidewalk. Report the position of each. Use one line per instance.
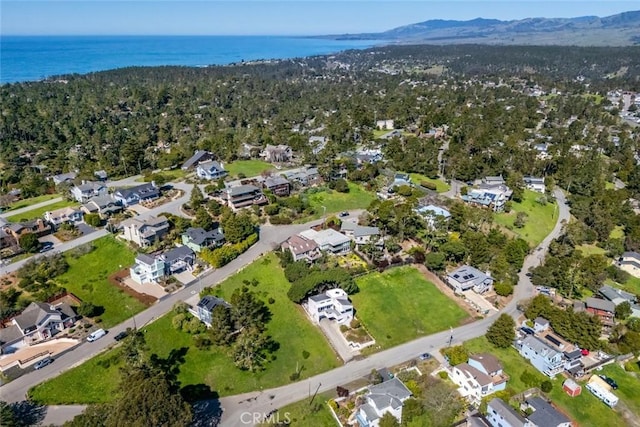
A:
(28, 208)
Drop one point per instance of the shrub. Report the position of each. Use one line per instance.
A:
(344, 328)
(93, 220)
(429, 185)
(503, 289)
(295, 376)
(355, 324)
(178, 321)
(305, 354)
(546, 386)
(271, 300)
(443, 375)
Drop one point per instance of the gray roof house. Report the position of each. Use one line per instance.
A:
(88, 189)
(178, 259)
(101, 175)
(467, 277)
(198, 157)
(630, 262)
(132, 195)
(501, 414)
(544, 358)
(64, 177)
(361, 234)
(198, 239)
(384, 397)
(103, 205)
(616, 296)
(545, 415)
(146, 232)
(204, 308)
(39, 321)
(211, 170)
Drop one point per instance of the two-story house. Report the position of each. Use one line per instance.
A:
(329, 240)
(39, 321)
(147, 269)
(535, 184)
(198, 157)
(104, 206)
(133, 195)
(387, 396)
(61, 216)
(302, 248)
(37, 226)
(85, 191)
(206, 305)
(144, 232)
(544, 358)
(277, 153)
(178, 259)
(304, 177)
(480, 376)
(211, 170)
(333, 304)
(64, 178)
(433, 215)
(198, 239)
(278, 185)
(360, 234)
(544, 414)
(499, 414)
(602, 308)
(467, 277)
(243, 196)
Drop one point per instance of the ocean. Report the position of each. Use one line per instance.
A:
(33, 58)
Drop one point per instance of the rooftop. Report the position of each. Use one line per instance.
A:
(544, 414)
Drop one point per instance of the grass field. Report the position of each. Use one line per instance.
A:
(356, 198)
(441, 186)
(586, 409)
(400, 305)
(32, 201)
(87, 278)
(38, 212)
(591, 250)
(617, 232)
(170, 175)
(247, 167)
(304, 414)
(289, 327)
(539, 223)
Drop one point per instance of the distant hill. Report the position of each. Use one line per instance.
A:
(616, 30)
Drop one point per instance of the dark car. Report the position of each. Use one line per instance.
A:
(122, 335)
(46, 246)
(425, 356)
(44, 362)
(343, 214)
(610, 381)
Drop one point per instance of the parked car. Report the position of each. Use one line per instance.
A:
(610, 381)
(46, 246)
(120, 336)
(96, 335)
(425, 356)
(343, 214)
(44, 362)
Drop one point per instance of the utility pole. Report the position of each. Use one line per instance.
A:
(314, 394)
(451, 336)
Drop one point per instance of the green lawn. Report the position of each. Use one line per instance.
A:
(591, 250)
(38, 212)
(87, 278)
(289, 327)
(540, 221)
(248, 167)
(306, 414)
(441, 186)
(32, 201)
(617, 232)
(586, 409)
(170, 175)
(356, 198)
(400, 305)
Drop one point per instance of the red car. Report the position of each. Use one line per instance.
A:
(584, 352)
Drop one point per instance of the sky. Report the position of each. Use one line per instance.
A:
(263, 17)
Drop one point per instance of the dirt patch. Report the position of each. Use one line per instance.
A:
(433, 278)
(8, 281)
(117, 279)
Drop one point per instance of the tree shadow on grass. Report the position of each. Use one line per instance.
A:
(171, 364)
(29, 413)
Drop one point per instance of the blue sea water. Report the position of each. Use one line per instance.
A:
(31, 58)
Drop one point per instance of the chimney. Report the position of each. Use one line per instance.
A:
(153, 183)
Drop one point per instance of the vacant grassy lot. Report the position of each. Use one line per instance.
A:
(88, 274)
(247, 167)
(540, 220)
(591, 250)
(304, 414)
(32, 201)
(441, 186)
(38, 212)
(356, 198)
(213, 367)
(586, 409)
(400, 305)
(170, 175)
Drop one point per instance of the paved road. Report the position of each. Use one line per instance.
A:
(240, 408)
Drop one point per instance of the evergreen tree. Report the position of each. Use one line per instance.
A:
(502, 332)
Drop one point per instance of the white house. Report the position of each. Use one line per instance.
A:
(467, 277)
(387, 396)
(535, 184)
(133, 195)
(480, 376)
(211, 170)
(144, 232)
(433, 214)
(302, 248)
(630, 262)
(385, 124)
(329, 240)
(85, 191)
(544, 358)
(333, 304)
(540, 324)
(147, 269)
(39, 321)
(64, 215)
(499, 414)
(360, 234)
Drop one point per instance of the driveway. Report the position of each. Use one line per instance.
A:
(331, 330)
(85, 228)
